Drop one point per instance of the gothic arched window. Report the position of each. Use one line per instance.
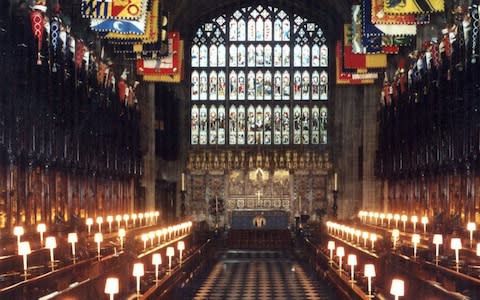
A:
(267, 72)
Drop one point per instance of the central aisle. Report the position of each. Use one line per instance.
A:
(260, 275)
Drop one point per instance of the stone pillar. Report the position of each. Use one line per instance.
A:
(370, 104)
(147, 110)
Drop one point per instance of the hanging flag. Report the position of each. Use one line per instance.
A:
(369, 29)
(380, 17)
(121, 26)
(164, 65)
(38, 28)
(113, 9)
(384, 44)
(413, 6)
(151, 28)
(347, 76)
(178, 74)
(359, 61)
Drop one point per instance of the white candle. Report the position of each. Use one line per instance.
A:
(335, 179)
(183, 182)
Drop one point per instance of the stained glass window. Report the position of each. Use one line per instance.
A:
(264, 69)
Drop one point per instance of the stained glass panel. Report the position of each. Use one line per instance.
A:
(232, 125)
(203, 85)
(213, 56)
(221, 125)
(241, 85)
(213, 85)
(203, 125)
(195, 85)
(213, 125)
(241, 55)
(241, 125)
(251, 125)
(233, 85)
(195, 125)
(297, 123)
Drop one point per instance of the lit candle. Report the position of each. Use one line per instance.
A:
(24, 250)
(415, 241)
(369, 271)
(51, 243)
(373, 239)
(111, 287)
(121, 235)
(73, 238)
(99, 222)
(170, 253)
(144, 239)
(340, 254)
(398, 288)
(156, 260)
(18, 231)
(98, 239)
(395, 236)
(456, 245)
(110, 220)
(183, 182)
(414, 221)
(471, 227)
(181, 247)
(352, 261)
(437, 240)
(41, 228)
(335, 182)
(138, 271)
(424, 222)
(331, 247)
(89, 222)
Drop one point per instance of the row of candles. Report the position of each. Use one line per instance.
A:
(24, 248)
(112, 283)
(397, 288)
(170, 230)
(149, 217)
(349, 233)
(380, 218)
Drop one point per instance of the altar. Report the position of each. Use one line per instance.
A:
(259, 219)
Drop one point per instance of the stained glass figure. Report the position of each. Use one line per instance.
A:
(259, 29)
(233, 56)
(277, 56)
(251, 125)
(315, 86)
(268, 30)
(241, 125)
(323, 56)
(195, 85)
(315, 125)
(241, 55)
(241, 85)
(305, 85)
(297, 86)
(213, 56)
(259, 86)
(195, 125)
(277, 86)
(305, 125)
(267, 84)
(222, 56)
(251, 30)
(259, 125)
(233, 30)
(268, 56)
(241, 30)
(221, 85)
(277, 33)
(232, 125)
(285, 125)
(286, 86)
(213, 85)
(203, 85)
(251, 56)
(221, 125)
(267, 125)
(277, 125)
(233, 85)
(323, 85)
(195, 56)
(297, 56)
(213, 125)
(203, 125)
(315, 56)
(286, 56)
(305, 56)
(286, 30)
(251, 86)
(259, 55)
(203, 56)
(297, 125)
(323, 124)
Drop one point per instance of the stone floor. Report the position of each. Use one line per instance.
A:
(260, 275)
